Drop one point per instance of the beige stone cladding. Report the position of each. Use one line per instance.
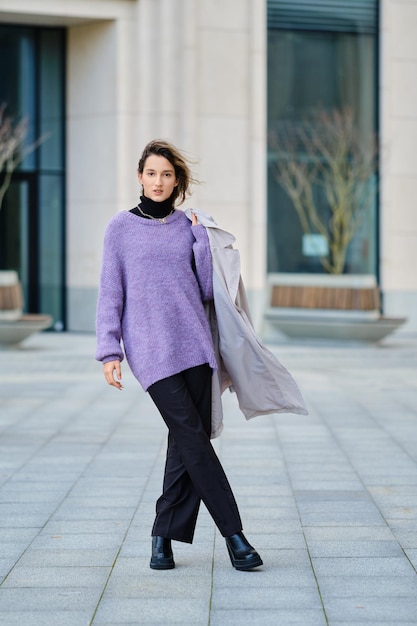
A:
(398, 124)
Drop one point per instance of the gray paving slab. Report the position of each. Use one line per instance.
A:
(266, 598)
(345, 586)
(363, 566)
(355, 549)
(51, 599)
(37, 577)
(68, 558)
(265, 617)
(45, 618)
(274, 576)
(382, 610)
(329, 499)
(150, 610)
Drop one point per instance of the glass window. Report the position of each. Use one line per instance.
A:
(32, 75)
(51, 91)
(51, 228)
(322, 71)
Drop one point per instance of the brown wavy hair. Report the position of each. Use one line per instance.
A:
(179, 162)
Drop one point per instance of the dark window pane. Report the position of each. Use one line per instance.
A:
(51, 96)
(32, 78)
(17, 80)
(51, 246)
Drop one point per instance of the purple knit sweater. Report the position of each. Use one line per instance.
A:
(151, 298)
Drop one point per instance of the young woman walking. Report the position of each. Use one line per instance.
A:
(156, 275)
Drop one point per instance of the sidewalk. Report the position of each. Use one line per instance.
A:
(329, 499)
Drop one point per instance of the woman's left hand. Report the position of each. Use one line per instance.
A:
(194, 221)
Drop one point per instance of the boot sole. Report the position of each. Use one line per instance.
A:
(162, 565)
(248, 566)
(244, 566)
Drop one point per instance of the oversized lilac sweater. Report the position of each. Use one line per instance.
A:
(154, 280)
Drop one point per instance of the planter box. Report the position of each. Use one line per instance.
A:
(13, 332)
(328, 307)
(14, 325)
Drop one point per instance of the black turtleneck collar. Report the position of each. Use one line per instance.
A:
(155, 209)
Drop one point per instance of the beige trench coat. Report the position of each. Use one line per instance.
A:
(261, 383)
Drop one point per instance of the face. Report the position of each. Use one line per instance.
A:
(158, 178)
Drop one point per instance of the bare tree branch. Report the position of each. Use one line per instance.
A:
(326, 151)
(12, 148)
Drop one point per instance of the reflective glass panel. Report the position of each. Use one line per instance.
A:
(322, 207)
(32, 78)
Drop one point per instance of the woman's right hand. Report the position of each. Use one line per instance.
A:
(109, 369)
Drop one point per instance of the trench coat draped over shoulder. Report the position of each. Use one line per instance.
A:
(262, 384)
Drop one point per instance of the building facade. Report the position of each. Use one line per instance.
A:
(99, 78)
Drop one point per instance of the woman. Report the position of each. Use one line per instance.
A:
(156, 275)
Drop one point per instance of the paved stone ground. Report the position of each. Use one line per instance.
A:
(329, 499)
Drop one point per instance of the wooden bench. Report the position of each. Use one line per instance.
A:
(15, 326)
(334, 298)
(328, 307)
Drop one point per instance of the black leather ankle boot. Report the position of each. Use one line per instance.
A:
(162, 557)
(242, 554)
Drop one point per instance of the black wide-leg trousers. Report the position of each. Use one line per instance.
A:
(193, 471)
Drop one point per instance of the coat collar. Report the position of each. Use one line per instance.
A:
(223, 238)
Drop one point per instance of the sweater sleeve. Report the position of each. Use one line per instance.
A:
(110, 302)
(203, 261)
